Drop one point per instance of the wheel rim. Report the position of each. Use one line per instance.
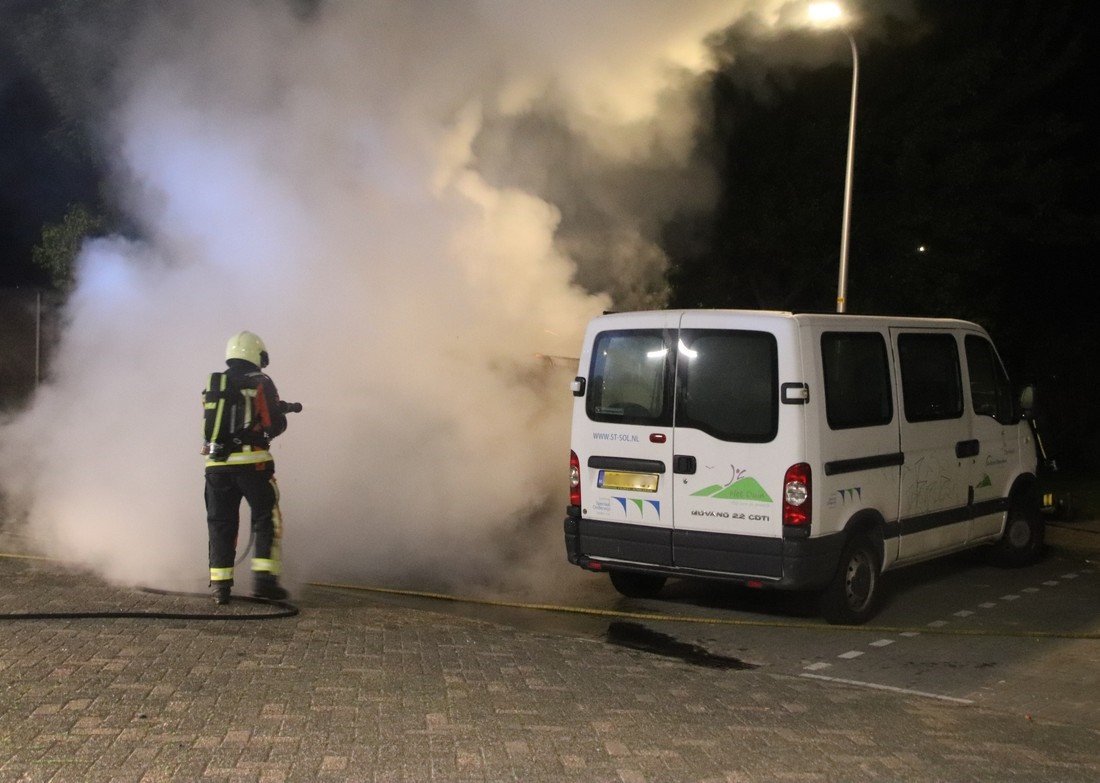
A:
(1019, 533)
(859, 580)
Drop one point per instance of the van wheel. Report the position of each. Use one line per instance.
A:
(634, 585)
(852, 597)
(1022, 542)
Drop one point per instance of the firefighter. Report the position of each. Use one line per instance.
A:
(239, 465)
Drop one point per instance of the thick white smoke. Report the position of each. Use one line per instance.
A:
(312, 178)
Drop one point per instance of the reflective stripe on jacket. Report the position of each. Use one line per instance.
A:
(248, 455)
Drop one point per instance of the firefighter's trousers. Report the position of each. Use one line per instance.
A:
(224, 491)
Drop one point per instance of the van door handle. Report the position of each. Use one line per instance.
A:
(967, 448)
(683, 464)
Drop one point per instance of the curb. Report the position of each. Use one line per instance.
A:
(1081, 537)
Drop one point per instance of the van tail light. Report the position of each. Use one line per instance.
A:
(797, 496)
(574, 480)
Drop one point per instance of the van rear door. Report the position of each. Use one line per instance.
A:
(728, 459)
(622, 435)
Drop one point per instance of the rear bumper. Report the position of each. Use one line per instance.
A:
(786, 564)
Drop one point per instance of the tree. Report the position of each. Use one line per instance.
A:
(61, 242)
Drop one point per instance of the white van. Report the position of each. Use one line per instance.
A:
(800, 452)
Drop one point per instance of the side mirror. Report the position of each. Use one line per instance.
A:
(1027, 400)
(578, 386)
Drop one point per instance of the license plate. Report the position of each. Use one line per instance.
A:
(636, 482)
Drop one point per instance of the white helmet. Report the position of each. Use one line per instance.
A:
(247, 346)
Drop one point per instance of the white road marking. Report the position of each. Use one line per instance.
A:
(819, 665)
(879, 687)
(851, 654)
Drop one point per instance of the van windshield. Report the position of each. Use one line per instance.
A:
(629, 378)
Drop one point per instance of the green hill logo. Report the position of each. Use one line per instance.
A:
(740, 488)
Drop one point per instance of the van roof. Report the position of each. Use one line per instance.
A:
(813, 318)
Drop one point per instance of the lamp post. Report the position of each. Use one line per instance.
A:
(38, 337)
(829, 14)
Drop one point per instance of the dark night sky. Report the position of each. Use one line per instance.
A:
(39, 178)
(27, 170)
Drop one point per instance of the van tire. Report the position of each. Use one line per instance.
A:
(1022, 542)
(852, 596)
(635, 585)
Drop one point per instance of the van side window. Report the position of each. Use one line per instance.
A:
(628, 382)
(990, 391)
(857, 380)
(729, 384)
(930, 378)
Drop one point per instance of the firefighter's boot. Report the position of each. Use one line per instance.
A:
(265, 585)
(220, 592)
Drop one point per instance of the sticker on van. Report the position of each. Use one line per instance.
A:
(740, 487)
(640, 504)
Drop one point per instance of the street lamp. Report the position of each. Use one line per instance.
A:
(831, 15)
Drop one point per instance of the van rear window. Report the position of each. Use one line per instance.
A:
(629, 381)
(729, 384)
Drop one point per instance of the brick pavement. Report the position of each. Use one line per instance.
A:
(351, 690)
